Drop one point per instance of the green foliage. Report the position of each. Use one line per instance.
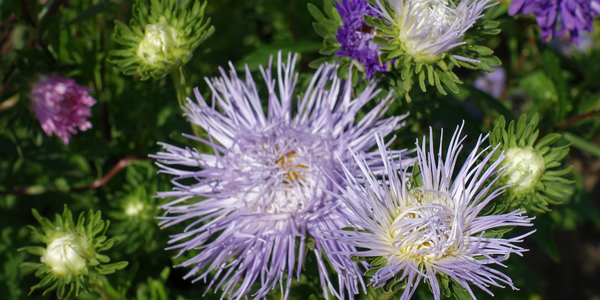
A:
(77, 38)
(135, 209)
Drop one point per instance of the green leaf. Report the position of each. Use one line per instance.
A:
(582, 144)
(92, 11)
(261, 55)
(552, 67)
(316, 13)
(321, 30)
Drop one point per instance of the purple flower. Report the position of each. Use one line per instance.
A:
(564, 47)
(575, 16)
(255, 202)
(61, 105)
(433, 225)
(493, 84)
(356, 37)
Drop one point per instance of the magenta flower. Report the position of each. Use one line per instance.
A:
(60, 105)
(258, 203)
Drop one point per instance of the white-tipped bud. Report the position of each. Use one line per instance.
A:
(133, 208)
(161, 45)
(66, 254)
(524, 169)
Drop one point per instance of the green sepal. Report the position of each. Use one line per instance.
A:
(523, 134)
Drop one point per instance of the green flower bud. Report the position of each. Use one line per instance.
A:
(527, 163)
(135, 210)
(160, 39)
(71, 257)
(160, 46)
(524, 168)
(66, 254)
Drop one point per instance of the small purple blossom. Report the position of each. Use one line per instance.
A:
(555, 17)
(257, 199)
(356, 37)
(435, 226)
(61, 105)
(493, 84)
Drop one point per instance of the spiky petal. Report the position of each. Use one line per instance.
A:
(260, 196)
(435, 227)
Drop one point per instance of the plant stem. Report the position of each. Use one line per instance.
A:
(183, 90)
(103, 287)
(180, 85)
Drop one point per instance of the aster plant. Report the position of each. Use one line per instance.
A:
(421, 38)
(347, 37)
(161, 39)
(527, 163)
(430, 227)
(557, 17)
(62, 106)
(135, 209)
(71, 258)
(259, 199)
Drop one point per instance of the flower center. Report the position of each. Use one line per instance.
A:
(292, 171)
(66, 254)
(160, 46)
(423, 229)
(423, 24)
(279, 169)
(524, 169)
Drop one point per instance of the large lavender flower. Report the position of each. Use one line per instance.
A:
(557, 16)
(61, 105)
(259, 197)
(434, 227)
(356, 37)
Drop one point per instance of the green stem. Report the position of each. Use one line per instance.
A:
(183, 88)
(103, 287)
(180, 85)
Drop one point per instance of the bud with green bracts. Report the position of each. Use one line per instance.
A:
(160, 38)
(528, 163)
(71, 257)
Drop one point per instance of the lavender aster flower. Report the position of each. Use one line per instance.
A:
(555, 17)
(356, 37)
(61, 105)
(259, 197)
(432, 227)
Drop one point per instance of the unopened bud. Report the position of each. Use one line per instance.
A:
(66, 254)
(524, 169)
